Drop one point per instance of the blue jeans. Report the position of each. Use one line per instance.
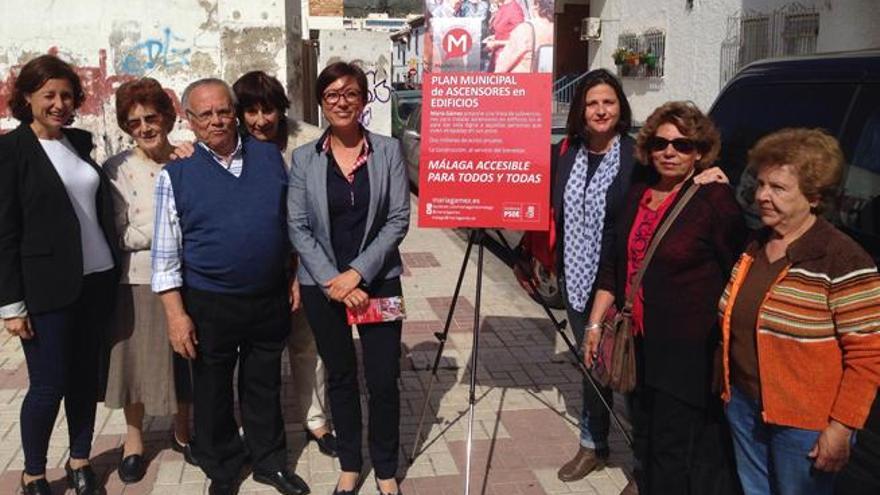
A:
(595, 419)
(773, 459)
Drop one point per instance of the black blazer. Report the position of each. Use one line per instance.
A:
(561, 165)
(41, 259)
(681, 287)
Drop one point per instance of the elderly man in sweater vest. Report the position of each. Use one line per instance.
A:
(220, 266)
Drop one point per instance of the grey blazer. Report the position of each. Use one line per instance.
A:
(308, 217)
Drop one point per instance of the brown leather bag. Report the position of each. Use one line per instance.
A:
(615, 364)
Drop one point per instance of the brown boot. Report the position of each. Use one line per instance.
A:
(631, 488)
(585, 462)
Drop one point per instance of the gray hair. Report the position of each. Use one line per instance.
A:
(208, 81)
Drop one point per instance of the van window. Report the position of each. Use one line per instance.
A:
(859, 206)
(746, 112)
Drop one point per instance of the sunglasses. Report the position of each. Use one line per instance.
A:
(681, 145)
(149, 119)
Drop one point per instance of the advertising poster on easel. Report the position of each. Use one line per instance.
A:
(485, 149)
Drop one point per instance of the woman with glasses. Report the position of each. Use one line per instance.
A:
(348, 210)
(681, 440)
(146, 377)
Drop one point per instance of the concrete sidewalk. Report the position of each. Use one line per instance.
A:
(528, 399)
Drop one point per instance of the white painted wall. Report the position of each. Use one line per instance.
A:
(694, 37)
(693, 41)
(371, 50)
(111, 41)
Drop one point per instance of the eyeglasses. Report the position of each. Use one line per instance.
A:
(332, 97)
(151, 119)
(681, 145)
(223, 114)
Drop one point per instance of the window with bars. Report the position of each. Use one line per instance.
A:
(641, 55)
(755, 35)
(799, 33)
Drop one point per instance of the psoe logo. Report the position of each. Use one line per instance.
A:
(457, 42)
(511, 211)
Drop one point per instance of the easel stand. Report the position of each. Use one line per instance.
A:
(477, 236)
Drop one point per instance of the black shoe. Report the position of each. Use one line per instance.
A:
(82, 480)
(223, 488)
(337, 491)
(326, 444)
(285, 482)
(36, 487)
(185, 449)
(132, 468)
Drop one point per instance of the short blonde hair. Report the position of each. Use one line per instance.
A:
(689, 121)
(813, 154)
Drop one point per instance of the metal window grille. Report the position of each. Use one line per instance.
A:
(654, 45)
(751, 36)
(755, 36)
(650, 47)
(628, 40)
(800, 34)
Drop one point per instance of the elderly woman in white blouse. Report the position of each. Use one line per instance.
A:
(146, 377)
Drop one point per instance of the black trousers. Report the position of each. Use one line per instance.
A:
(380, 343)
(63, 364)
(250, 331)
(681, 449)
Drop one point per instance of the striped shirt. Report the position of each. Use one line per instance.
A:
(167, 250)
(817, 332)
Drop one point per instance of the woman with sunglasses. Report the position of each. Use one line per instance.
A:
(681, 439)
(348, 210)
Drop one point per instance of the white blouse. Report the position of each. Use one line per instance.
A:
(81, 182)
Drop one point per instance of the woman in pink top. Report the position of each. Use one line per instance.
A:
(508, 16)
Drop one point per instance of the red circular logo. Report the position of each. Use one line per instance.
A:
(457, 42)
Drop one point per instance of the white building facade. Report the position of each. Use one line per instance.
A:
(688, 49)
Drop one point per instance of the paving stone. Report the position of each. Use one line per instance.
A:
(526, 411)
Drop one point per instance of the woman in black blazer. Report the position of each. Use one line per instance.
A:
(592, 170)
(57, 268)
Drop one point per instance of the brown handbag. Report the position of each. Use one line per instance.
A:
(615, 363)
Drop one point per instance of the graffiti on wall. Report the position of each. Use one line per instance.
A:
(98, 85)
(167, 51)
(96, 113)
(378, 90)
(371, 51)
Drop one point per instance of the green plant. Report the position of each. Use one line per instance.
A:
(620, 55)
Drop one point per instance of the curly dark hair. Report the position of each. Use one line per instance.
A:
(33, 76)
(147, 92)
(689, 121)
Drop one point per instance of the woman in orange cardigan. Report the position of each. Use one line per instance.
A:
(801, 325)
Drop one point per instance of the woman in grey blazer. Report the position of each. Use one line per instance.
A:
(348, 209)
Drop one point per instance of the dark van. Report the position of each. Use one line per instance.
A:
(837, 92)
(840, 93)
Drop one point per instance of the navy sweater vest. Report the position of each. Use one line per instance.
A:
(234, 228)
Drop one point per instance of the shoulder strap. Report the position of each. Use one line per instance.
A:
(658, 236)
